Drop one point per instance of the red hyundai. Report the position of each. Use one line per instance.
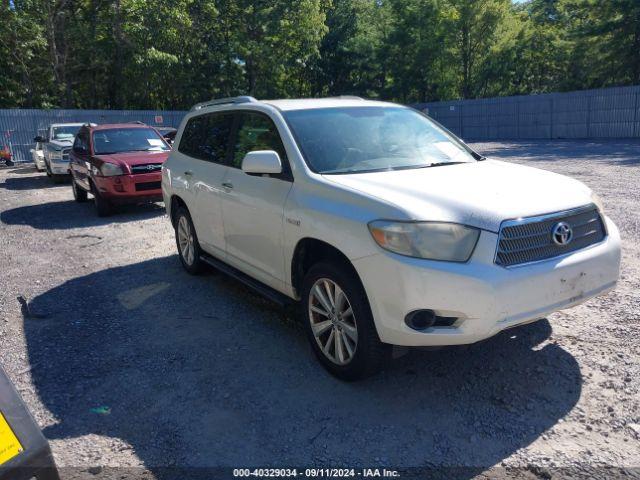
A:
(118, 164)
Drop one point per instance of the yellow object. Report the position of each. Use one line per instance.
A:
(9, 443)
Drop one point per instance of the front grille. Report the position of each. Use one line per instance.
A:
(146, 168)
(143, 186)
(530, 239)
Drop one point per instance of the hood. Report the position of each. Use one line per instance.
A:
(60, 144)
(134, 158)
(479, 194)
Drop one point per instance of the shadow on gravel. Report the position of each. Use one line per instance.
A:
(70, 214)
(25, 170)
(31, 183)
(197, 372)
(624, 152)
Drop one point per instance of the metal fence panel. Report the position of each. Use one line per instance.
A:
(18, 127)
(604, 113)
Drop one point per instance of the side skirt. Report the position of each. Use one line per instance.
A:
(271, 294)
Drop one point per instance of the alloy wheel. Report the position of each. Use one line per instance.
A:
(332, 321)
(186, 240)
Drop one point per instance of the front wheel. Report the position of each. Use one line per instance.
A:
(79, 193)
(187, 242)
(103, 206)
(339, 322)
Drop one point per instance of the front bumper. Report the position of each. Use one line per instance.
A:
(39, 162)
(58, 167)
(141, 187)
(485, 297)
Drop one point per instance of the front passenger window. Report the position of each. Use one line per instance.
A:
(81, 144)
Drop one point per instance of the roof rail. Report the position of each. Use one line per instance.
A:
(138, 122)
(224, 101)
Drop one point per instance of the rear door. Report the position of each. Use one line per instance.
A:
(205, 142)
(253, 205)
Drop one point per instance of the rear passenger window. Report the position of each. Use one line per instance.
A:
(257, 132)
(206, 137)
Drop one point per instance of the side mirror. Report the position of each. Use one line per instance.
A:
(262, 162)
(39, 139)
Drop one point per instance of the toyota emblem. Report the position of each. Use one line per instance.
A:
(562, 234)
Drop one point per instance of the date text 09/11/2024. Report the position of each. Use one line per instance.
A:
(316, 472)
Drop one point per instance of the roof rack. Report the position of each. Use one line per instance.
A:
(224, 101)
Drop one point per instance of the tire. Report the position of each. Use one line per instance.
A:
(103, 206)
(187, 242)
(367, 353)
(79, 193)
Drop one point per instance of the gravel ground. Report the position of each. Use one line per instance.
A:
(127, 361)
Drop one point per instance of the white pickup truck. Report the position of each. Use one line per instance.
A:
(56, 147)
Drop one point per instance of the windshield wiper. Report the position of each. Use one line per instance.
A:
(150, 149)
(442, 164)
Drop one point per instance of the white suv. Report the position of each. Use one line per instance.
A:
(386, 228)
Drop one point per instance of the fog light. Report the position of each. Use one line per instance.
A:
(424, 319)
(420, 319)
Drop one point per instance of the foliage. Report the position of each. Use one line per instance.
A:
(169, 54)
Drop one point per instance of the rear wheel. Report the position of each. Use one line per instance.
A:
(79, 193)
(339, 322)
(187, 242)
(103, 206)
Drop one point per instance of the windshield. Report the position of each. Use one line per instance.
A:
(369, 139)
(65, 133)
(119, 140)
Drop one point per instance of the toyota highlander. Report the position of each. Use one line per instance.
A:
(383, 226)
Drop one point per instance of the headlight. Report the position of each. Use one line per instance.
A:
(598, 203)
(55, 155)
(110, 170)
(431, 240)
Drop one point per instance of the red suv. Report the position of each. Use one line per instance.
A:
(119, 163)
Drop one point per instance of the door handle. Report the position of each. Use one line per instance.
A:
(188, 173)
(228, 186)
